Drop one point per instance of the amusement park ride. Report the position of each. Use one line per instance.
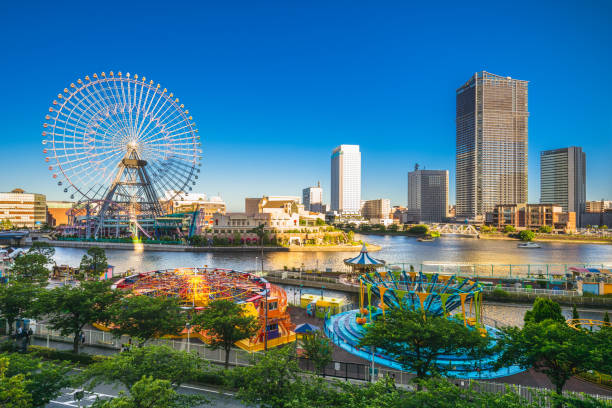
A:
(197, 287)
(117, 143)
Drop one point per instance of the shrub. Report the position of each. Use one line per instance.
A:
(545, 229)
(526, 235)
(63, 355)
(508, 229)
(418, 229)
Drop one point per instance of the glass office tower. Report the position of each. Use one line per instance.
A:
(346, 179)
(491, 126)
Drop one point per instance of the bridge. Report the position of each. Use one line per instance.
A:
(455, 229)
(13, 236)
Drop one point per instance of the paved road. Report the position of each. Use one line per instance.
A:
(216, 398)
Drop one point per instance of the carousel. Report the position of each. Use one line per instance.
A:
(363, 264)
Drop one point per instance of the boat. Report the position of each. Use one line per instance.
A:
(529, 245)
(426, 238)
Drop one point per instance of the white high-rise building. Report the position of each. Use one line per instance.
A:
(312, 198)
(346, 179)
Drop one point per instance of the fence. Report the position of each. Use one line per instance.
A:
(336, 369)
(513, 289)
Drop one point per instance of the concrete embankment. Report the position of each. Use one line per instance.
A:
(186, 248)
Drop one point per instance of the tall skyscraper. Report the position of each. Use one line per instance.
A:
(428, 195)
(491, 126)
(346, 179)
(563, 179)
(312, 198)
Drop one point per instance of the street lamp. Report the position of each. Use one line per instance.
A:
(188, 325)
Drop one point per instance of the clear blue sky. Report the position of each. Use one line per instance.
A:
(275, 86)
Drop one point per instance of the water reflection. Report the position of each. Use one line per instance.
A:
(395, 249)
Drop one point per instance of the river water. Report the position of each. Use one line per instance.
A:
(395, 249)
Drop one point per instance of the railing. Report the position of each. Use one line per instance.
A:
(557, 272)
(531, 290)
(338, 369)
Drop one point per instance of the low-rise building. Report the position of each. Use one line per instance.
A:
(376, 209)
(533, 216)
(206, 207)
(23, 209)
(598, 206)
(59, 213)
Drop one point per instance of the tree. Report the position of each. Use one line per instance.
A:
(526, 235)
(418, 229)
(30, 268)
(13, 391)
(484, 229)
(550, 347)
(545, 229)
(508, 229)
(260, 231)
(603, 227)
(145, 317)
(272, 378)
(161, 362)
(415, 339)
(70, 308)
(318, 349)
(350, 236)
(94, 261)
(225, 322)
(16, 300)
(606, 317)
(151, 393)
(42, 248)
(542, 309)
(575, 315)
(44, 380)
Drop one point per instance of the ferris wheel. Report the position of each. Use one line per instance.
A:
(115, 138)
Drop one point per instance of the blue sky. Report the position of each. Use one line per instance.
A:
(275, 86)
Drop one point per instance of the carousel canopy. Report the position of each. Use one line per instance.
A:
(364, 260)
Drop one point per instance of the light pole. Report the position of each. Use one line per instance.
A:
(188, 325)
(266, 323)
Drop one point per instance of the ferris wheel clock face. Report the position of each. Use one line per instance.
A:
(99, 122)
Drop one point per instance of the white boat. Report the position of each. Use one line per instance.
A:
(529, 245)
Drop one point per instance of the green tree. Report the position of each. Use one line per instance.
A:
(606, 317)
(550, 347)
(145, 317)
(271, 381)
(508, 229)
(545, 229)
(318, 349)
(43, 248)
(418, 229)
(415, 339)
(161, 362)
(350, 236)
(13, 391)
(319, 222)
(485, 229)
(603, 227)
(575, 315)
(542, 309)
(70, 308)
(30, 268)
(526, 235)
(94, 262)
(151, 393)
(6, 224)
(226, 323)
(44, 380)
(16, 300)
(237, 238)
